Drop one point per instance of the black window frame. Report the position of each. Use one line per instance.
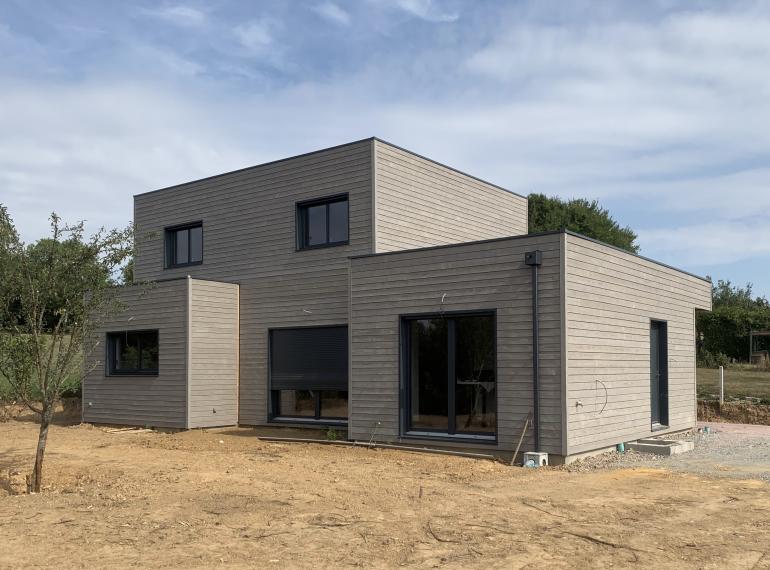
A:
(170, 237)
(110, 369)
(317, 418)
(274, 401)
(664, 400)
(450, 434)
(301, 209)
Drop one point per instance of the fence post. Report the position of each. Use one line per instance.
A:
(721, 385)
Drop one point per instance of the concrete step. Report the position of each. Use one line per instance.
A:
(666, 447)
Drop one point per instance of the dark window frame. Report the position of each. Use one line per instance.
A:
(405, 428)
(110, 369)
(318, 418)
(664, 412)
(301, 224)
(274, 401)
(170, 236)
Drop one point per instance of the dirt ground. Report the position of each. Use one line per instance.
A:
(740, 412)
(204, 499)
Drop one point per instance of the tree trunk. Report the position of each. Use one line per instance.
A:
(37, 473)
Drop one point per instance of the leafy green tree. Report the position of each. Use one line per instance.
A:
(127, 273)
(735, 312)
(581, 216)
(53, 294)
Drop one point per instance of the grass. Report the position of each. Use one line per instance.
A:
(738, 383)
(72, 386)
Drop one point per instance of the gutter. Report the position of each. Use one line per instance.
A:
(535, 259)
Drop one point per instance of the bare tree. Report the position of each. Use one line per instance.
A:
(52, 295)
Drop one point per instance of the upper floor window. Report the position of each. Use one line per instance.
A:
(184, 245)
(322, 222)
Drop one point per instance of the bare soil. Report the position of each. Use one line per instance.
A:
(734, 412)
(223, 498)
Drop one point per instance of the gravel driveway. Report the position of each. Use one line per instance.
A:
(736, 451)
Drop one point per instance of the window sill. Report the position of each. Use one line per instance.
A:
(288, 420)
(459, 437)
(658, 427)
(323, 246)
(178, 265)
(125, 374)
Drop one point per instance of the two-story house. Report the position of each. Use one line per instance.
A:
(367, 287)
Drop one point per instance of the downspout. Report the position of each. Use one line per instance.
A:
(534, 259)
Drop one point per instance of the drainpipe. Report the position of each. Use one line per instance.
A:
(534, 259)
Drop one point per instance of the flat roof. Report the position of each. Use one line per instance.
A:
(533, 235)
(272, 162)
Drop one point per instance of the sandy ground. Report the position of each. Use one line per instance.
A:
(226, 499)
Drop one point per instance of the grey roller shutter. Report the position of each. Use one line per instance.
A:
(313, 358)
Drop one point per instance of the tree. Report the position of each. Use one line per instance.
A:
(735, 312)
(53, 294)
(579, 215)
(127, 273)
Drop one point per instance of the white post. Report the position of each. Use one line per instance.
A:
(721, 385)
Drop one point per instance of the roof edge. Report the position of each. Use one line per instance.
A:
(620, 249)
(326, 149)
(448, 245)
(245, 168)
(453, 169)
(532, 235)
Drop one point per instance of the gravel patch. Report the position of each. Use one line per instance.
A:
(716, 454)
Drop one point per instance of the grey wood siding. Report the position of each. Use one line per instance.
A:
(611, 296)
(213, 372)
(483, 275)
(249, 238)
(142, 400)
(421, 203)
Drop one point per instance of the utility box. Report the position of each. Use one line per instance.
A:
(539, 458)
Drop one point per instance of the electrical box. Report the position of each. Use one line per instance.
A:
(539, 458)
(533, 257)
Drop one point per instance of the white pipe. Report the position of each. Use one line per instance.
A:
(721, 385)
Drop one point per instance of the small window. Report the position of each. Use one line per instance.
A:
(184, 245)
(132, 352)
(322, 223)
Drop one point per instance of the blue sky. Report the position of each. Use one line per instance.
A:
(658, 109)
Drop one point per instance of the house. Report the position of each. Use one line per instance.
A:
(367, 287)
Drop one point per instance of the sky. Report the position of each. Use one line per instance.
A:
(659, 110)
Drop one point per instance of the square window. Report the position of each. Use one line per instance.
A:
(132, 353)
(323, 222)
(184, 245)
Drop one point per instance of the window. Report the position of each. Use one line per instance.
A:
(450, 375)
(658, 374)
(322, 223)
(184, 245)
(309, 373)
(132, 352)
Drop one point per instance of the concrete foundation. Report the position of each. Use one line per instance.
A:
(666, 447)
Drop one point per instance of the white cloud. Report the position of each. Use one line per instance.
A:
(180, 15)
(255, 35)
(427, 10)
(664, 118)
(333, 13)
(711, 243)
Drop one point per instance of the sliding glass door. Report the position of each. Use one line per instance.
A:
(450, 374)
